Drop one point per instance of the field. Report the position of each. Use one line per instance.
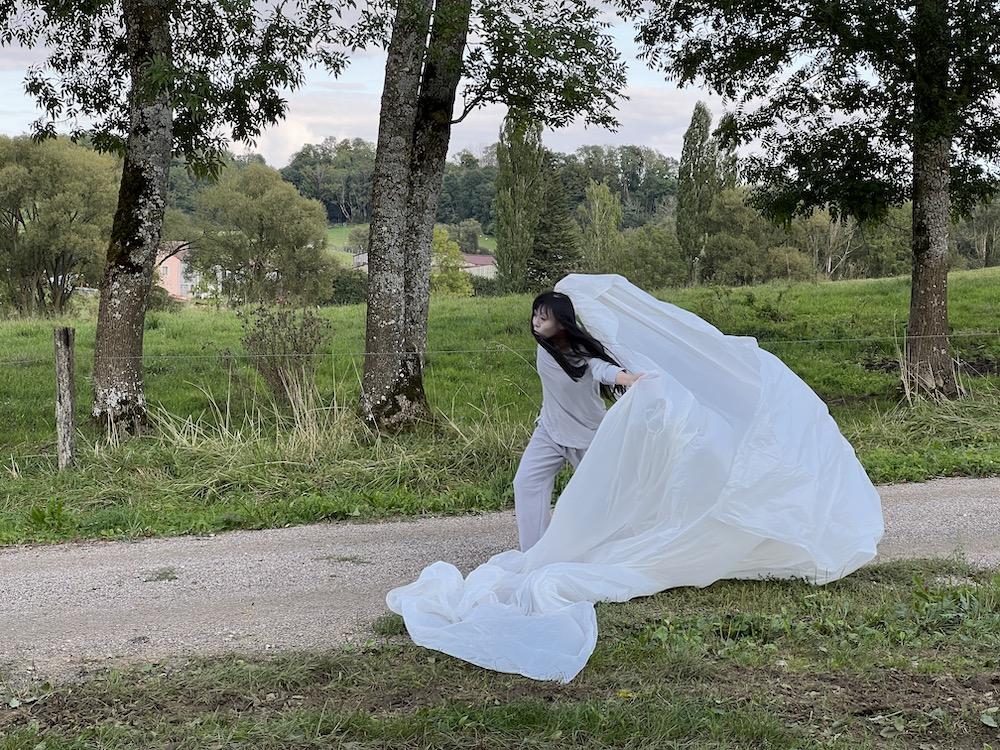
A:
(219, 457)
(896, 656)
(336, 238)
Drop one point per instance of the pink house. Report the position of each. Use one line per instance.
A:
(480, 265)
(173, 273)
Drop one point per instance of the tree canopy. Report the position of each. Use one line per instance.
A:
(56, 204)
(262, 238)
(226, 74)
(828, 92)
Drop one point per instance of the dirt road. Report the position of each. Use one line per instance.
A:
(73, 607)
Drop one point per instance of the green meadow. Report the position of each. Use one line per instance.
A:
(220, 455)
(337, 235)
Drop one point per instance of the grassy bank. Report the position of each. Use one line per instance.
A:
(337, 238)
(218, 460)
(896, 656)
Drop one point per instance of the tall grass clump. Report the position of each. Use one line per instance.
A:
(283, 345)
(920, 434)
(262, 464)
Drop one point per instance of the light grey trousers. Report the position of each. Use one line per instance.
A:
(535, 480)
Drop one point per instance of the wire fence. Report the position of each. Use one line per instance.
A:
(494, 350)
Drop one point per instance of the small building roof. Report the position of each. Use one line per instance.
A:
(479, 260)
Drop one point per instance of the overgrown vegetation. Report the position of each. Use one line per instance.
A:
(282, 344)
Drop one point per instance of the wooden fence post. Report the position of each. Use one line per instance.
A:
(65, 396)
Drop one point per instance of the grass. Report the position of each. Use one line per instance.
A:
(903, 655)
(336, 238)
(219, 459)
(337, 234)
(345, 259)
(336, 242)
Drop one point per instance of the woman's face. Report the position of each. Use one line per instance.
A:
(544, 323)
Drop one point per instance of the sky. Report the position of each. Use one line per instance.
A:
(655, 114)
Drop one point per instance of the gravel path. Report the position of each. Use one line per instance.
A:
(69, 608)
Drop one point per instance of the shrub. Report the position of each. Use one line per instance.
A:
(484, 287)
(283, 344)
(349, 287)
(447, 275)
(160, 299)
(357, 240)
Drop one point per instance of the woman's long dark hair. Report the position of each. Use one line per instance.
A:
(580, 345)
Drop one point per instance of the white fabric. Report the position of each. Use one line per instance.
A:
(572, 410)
(720, 464)
(534, 481)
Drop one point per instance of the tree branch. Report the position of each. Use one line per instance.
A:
(172, 253)
(467, 108)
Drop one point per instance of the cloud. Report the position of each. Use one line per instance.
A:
(654, 116)
(656, 113)
(339, 86)
(318, 112)
(18, 58)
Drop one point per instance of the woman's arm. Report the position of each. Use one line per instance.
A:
(627, 378)
(610, 374)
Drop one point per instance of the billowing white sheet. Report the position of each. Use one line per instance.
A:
(721, 463)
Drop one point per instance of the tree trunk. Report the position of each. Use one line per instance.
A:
(930, 367)
(60, 282)
(421, 81)
(382, 398)
(119, 398)
(438, 87)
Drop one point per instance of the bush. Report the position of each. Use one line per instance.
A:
(469, 231)
(484, 287)
(349, 287)
(83, 304)
(650, 257)
(357, 240)
(788, 263)
(447, 276)
(283, 344)
(160, 299)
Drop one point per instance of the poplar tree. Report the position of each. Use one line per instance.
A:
(697, 184)
(517, 208)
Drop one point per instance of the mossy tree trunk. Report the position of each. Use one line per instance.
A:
(119, 398)
(423, 70)
(930, 367)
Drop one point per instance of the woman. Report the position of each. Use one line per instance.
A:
(576, 371)
(720, 463)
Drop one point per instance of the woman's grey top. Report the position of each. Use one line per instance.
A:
(572, 410)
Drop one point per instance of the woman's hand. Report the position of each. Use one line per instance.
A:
(627, 378)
